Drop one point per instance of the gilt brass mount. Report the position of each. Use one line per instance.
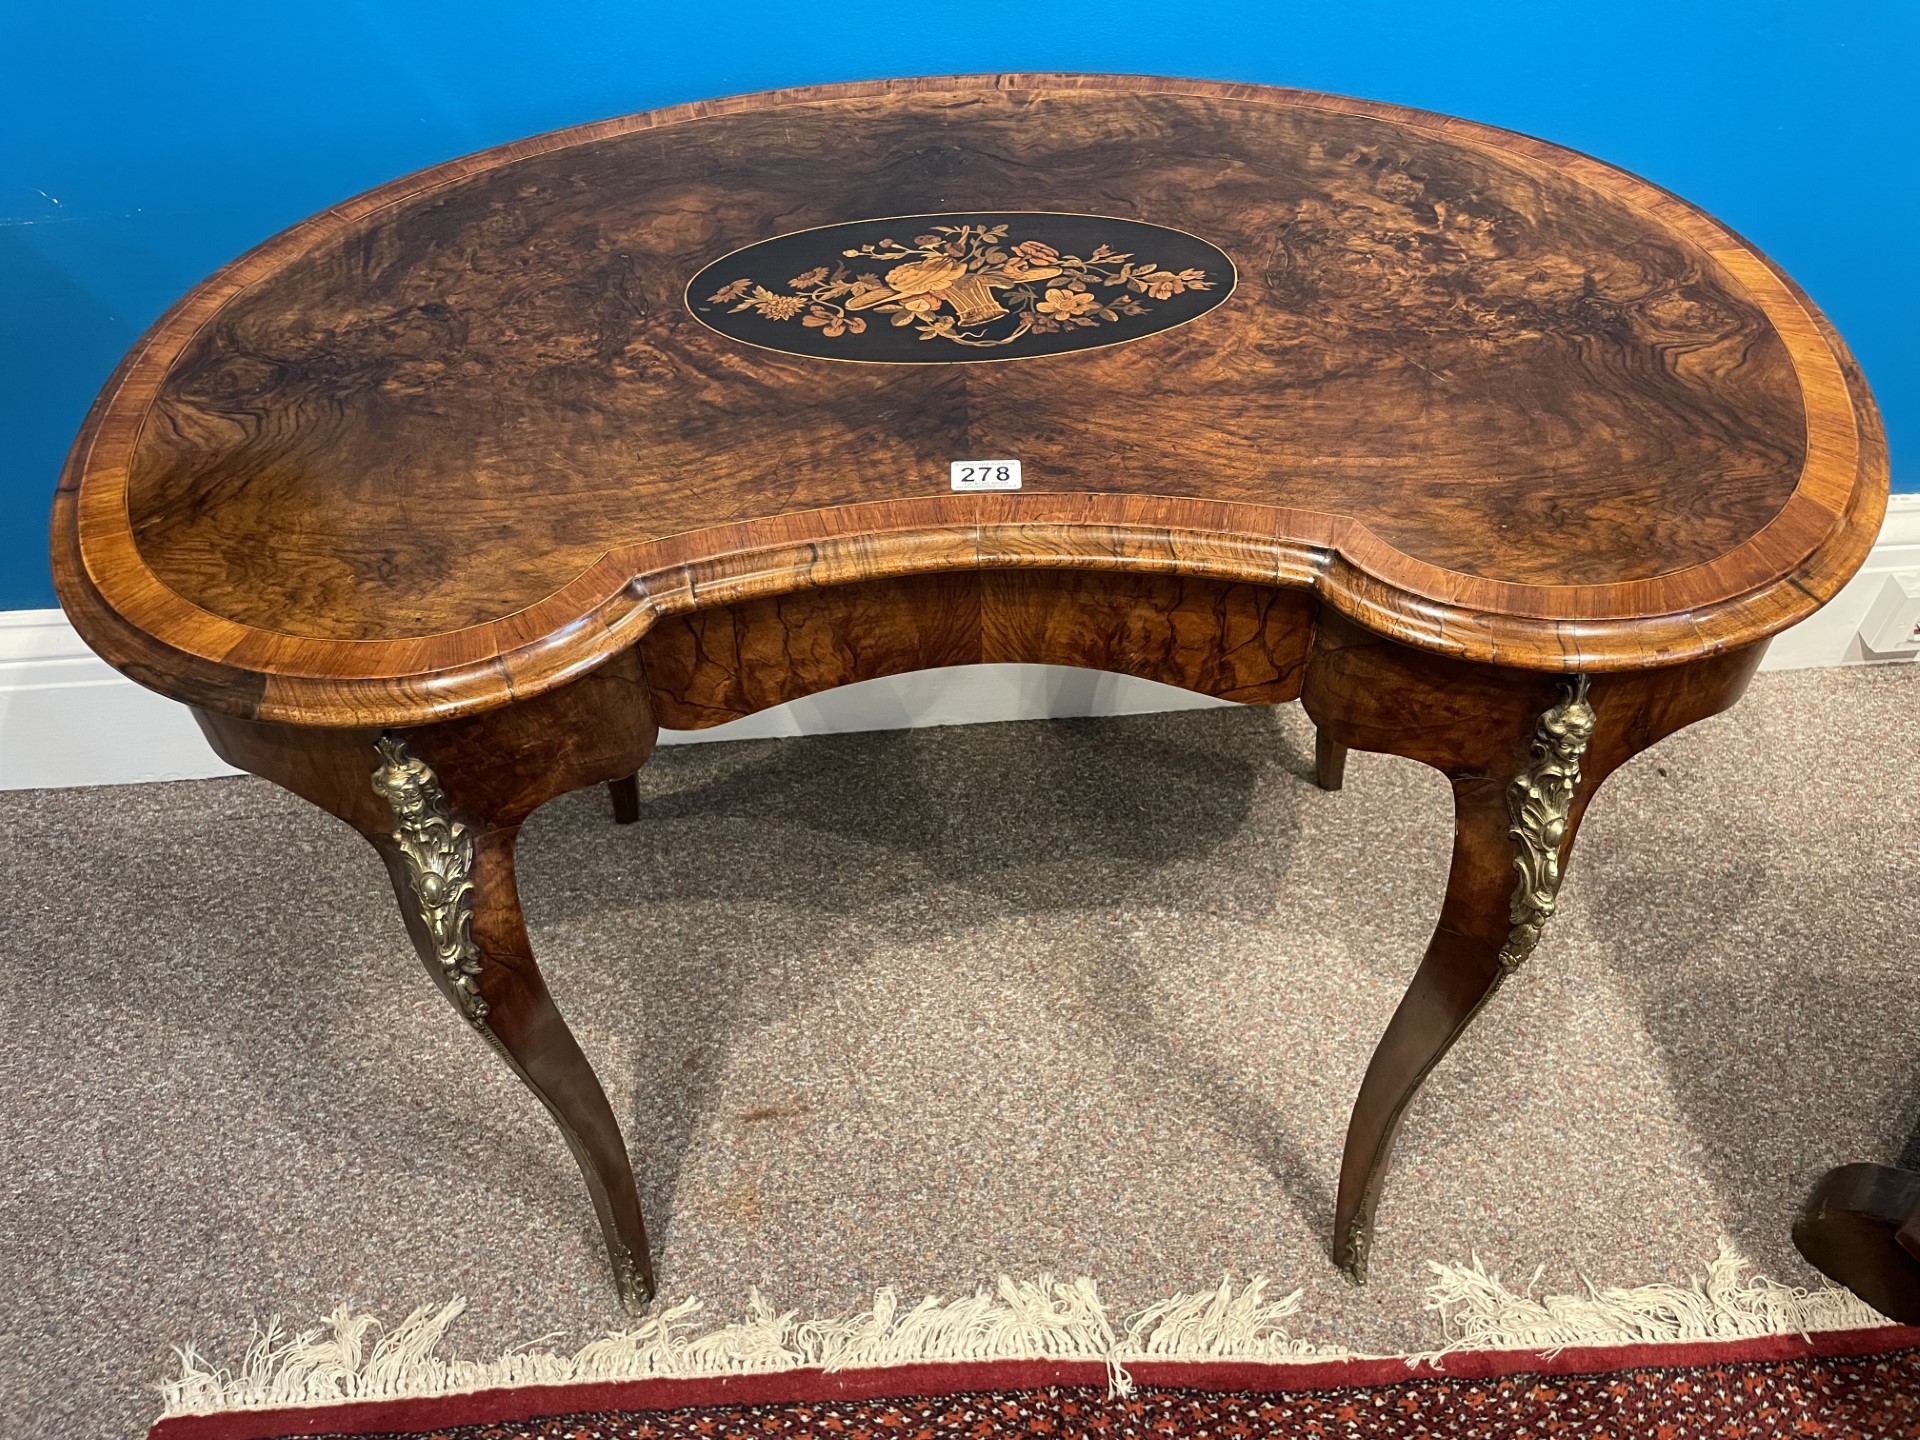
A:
(438, 851)
(1539, 801)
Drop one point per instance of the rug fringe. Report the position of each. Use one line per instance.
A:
(1478, 1312)
(351, 1356)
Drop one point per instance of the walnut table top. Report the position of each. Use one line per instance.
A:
(461, 437)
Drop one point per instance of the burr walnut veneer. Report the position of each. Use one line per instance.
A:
(438, 504)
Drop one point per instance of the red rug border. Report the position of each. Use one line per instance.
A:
(533, 1402)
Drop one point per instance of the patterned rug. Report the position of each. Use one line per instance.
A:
(1731, 1356)
(1838, 1384)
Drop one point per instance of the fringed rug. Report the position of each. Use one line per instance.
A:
(1730, 1357)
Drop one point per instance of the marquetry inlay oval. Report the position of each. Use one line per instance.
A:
(934, 289)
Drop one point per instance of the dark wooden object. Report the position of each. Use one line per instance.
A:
(626, 799)
(1329, 761)
(1861, 1228)
(1495, 456)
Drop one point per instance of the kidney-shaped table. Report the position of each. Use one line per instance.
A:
(438, 504)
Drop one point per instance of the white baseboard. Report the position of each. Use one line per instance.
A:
(67, 719)
(1831, 636)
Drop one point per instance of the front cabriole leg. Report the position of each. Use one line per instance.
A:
(443, 804)
(1524, 753)
(1489, 923)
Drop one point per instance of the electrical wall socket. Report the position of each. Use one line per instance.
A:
(1892, 626)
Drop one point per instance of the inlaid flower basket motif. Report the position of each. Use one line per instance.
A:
(1029, 285)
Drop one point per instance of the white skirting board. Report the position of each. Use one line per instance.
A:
(67, 719)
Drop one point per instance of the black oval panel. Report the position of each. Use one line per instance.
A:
(985, 285)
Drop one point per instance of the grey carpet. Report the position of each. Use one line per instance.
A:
(917, 1008)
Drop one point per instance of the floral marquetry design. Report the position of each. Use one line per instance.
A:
(1025, 285)
(956, 281)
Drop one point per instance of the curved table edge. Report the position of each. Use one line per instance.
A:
(254, 673)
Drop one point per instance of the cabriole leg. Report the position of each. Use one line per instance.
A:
(1524, 754)
(443, 805)
(457, 893)
(1509, 842)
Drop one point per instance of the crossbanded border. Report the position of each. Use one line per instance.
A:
(66, 718)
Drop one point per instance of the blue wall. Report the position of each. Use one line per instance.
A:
(143, 144)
